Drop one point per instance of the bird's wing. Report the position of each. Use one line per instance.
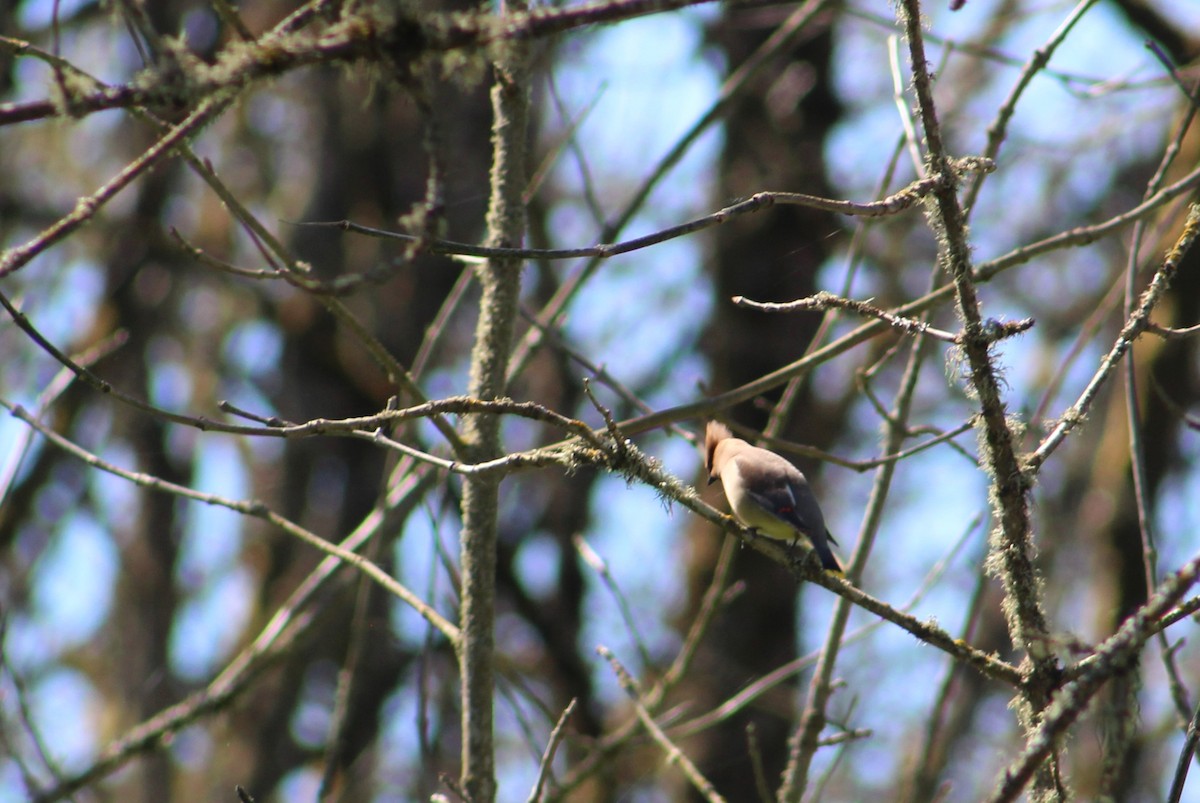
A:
(779, 501)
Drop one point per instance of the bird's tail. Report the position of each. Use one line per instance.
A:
(829, 560)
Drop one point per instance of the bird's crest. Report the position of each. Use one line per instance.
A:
(713, 434)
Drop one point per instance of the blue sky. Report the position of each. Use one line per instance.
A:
(648, 82)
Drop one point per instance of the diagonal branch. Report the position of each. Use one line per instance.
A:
(1114, 656)
(1138, 322)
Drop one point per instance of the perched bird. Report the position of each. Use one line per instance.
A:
(766, 492)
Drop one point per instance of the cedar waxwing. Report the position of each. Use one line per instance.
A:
(767, 493)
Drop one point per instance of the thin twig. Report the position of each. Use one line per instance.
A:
(20, 696)
(911, 140)
(1165, 60)
(714, 595)
(730, 90)
(1084, 235)
(1136, 324)
(756, 764)
(892, 205)
(932, 752)
(50, 394)
(674, 755)
(1184, 763)
(15, 258)
(556, 737)
(1036, 65)
(997, 330)
(600, 566)
(252, 508)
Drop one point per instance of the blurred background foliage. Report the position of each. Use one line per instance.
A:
(119, 601)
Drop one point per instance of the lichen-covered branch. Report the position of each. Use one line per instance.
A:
(500, 281)
(1011, 548)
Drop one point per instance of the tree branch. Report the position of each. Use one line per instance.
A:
(498, 309)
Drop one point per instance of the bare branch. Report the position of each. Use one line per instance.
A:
(1117, 654)
(1137, 323)
(675, 756)
(892, 205)
(556, 737)
(251, 508)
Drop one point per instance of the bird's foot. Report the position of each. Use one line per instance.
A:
(794, 553)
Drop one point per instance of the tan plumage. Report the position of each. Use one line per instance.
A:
(766, 492)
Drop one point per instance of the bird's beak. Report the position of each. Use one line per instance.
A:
(711, 479)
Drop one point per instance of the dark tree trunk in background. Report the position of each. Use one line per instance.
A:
(774, 140)
(365, 172)
(114, 590)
